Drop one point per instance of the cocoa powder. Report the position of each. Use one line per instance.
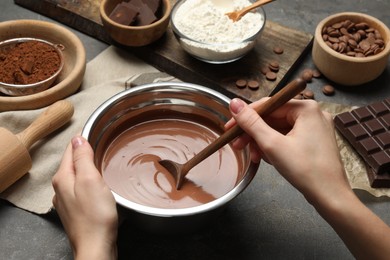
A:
(28, 62)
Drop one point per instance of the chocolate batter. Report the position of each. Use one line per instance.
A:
(130, 165)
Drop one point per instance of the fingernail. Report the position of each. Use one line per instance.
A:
(77, 141)
(236, 105)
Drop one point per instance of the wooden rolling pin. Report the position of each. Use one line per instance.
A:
(15, 159)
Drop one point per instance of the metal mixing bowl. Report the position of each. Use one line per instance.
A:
(129, 107)
(28, 89)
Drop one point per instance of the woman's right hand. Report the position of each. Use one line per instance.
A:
(299, 140)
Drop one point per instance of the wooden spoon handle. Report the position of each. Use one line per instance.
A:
(55, 116)
(285, 94)
(253, 6)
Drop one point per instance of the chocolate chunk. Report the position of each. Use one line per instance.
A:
(367, 130)
(153, 5)
(19, 77)
(124, 13)
(136, 12)
(27, 67)
(146, 16)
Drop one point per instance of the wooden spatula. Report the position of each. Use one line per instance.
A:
(179, 171)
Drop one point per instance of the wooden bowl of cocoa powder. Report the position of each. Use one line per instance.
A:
(28, 65)
(351, 48)
(69, 79)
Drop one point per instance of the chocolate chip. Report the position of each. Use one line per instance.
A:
(316, 73)
(241, 83)
(307, 75)
(308, 94)
(271, 76)
(278, 50)
(328, 90)
(264, 70)
(299, 96)
(274, 66)
(253, 84)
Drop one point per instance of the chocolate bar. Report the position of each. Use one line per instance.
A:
(367, 130)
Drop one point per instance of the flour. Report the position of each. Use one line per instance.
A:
(214, 37)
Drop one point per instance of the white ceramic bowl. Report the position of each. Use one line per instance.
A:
(212, 51)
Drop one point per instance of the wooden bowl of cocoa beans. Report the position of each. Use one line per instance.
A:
(351, 48)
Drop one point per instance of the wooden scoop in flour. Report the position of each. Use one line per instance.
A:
(15, 160)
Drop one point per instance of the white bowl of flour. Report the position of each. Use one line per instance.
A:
(204, 30)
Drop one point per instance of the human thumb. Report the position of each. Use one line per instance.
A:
(82, 154)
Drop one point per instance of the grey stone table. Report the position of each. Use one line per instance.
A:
(270, 220)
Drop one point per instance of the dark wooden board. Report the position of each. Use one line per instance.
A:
(167, 55)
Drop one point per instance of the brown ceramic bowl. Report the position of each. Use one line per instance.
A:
(14, 89)
(141, 104)
(347, 70)
(134, 35)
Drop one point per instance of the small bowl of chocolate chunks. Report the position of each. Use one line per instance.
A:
(135, 22)
(29, 65)
(351, 48)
